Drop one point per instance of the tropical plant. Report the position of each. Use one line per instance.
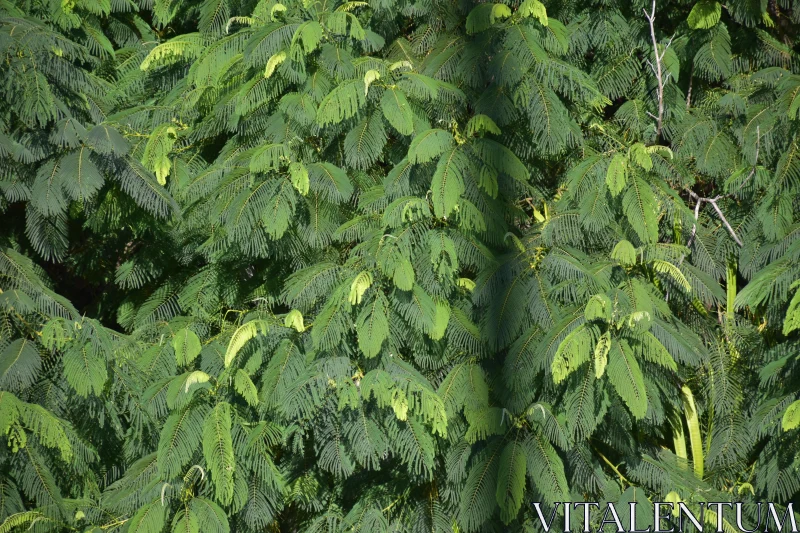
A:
(395, 265)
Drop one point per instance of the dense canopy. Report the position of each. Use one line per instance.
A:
(395, 265)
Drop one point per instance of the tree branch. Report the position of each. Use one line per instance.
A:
(694, 231)
(694, 226)
(651, 17)
(713, 202)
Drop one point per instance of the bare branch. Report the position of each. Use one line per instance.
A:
(694, 226)
(713, 202)
(667, 46)
(698, 205)
(658, 69)
(689, 92)
(725, 221)
(652, 15)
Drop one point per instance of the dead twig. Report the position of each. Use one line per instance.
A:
(658, 67)
(713, 201)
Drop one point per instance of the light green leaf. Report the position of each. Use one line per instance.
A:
(187, 346)
(440, 320)
(306, 39)
(794, 107)
(792, 320)
(667, 268)
(244, 333)
(245, 387)
(274, 61)
(674, 498)
(616, 175)
(299, 176)
(404, 275)
(269, 157)
(499, 11)
(466, 283)
(639, 206)
(185, 46)
(704, 15)
(294, 319)
(483, 16)
(397, 111)
(791, 418)
(369, 77)
(157, 150)
(276, 10)
(572, 352)
(672, 64)
(330, 181)
(198, 376)
(652, 350)
(639, 155)
(218, 451)
(448, 182)
(182, 388)
(598, 308)
(360, 284)
(535, 9)
(341, 103)
(626, 377)
(601, 354)
(480, 124)
(624, 252)
(372, 325)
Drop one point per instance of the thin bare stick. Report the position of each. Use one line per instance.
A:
(657, 68)
(694, 226)
(713, 202)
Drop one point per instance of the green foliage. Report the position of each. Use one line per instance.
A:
(396, 265)
(704, 15)
(218, 451)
